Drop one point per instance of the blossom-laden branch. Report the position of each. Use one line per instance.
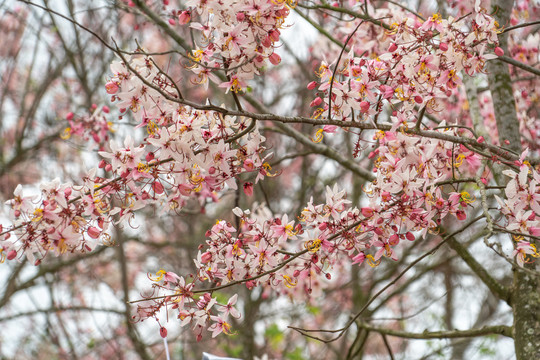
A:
(197, 151)
(239, 38)
(353, 319)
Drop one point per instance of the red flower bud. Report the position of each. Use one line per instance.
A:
(158, 187)
(248, 188)
(312, 85)
(364, 106)
(11, 255)
(206, 257)
(93, 232)
(367, 212)
(111, 88)
(316, 102)
(275, 59)
(184, 17)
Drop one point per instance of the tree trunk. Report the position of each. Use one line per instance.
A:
(525, 299)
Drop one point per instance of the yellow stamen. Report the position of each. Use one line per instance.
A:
(289, 229)
(267, 167)
(289, 282)
(151, 128)
(465, 197)
(109, 125)
(459, 160)
(371, 261)
(66, 134)
(159, 276)
(107, 240)
(38, 215)
(319, 135)
(313, 245)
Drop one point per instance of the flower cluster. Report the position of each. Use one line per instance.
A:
(64, 220)
(298, 258)
(266, 251)
(421, 65)
(407, 196)
(94, 125)
(186, 153)
(197, 308)
(238, 37)
(521, 208)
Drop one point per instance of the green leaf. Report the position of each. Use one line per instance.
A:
(295, 355)
(274, 335)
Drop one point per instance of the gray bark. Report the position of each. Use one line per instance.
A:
(500, 85)
(525, 298)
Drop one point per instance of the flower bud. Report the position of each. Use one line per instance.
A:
(274, 35)
(93, 232)
(248, 188)
(316, 102)
(364, 106)
(275, 59)
(206, 257)
(184, 17)
(11, 255)
(367, 212)
(111, 88)
(157, 187)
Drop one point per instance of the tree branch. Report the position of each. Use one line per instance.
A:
(452, 334)
(494, 286)
(519, 64)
